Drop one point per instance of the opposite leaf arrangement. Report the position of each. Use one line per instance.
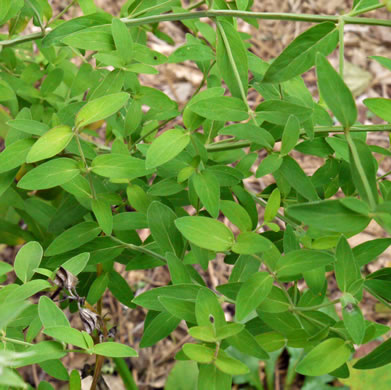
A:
(79, 202)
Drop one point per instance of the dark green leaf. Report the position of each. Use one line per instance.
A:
(27, 260)
(208, 190)
(379, 357)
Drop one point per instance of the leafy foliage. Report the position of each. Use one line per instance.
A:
(76, 199)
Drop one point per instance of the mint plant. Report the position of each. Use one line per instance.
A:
(92, 157)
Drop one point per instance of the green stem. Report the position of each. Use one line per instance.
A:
(341, 26)
(63, 12)
(216, 13)
(360, 169)
(149, 133)
(310, 308)
(149, 9)
(233, 64)
(196, 5)
(93, 193)
(368, 9)
(16, 341)
(140, 249)
(125, 374)
(37, 15)
(320, 323)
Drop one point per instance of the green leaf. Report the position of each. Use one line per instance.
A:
(323, 214)
(166, 147)
(162, 222)
(122, 39)
(380, 107)
(103, 214)
(97, 289)
(248, 131)
(270, 164)
(76, 264)
(50, 174)
(119, 166)
(97, 38)
(184, 375)
(14, 155)
(300, 55)
(298, 261)
(208, 190)
(67, 335)
(354, 322)
(27, 260)
(386, 62)
(27, 290)
(50, 144)
(203, 333)
(249, 243)
(231, 59)
(222, 108)
(73, 238)
(101, 108)
(112, 349)
(192, 52)
(370, 250)
(237, 214)
(74, 380)
(208, 309)
(179, 308)
(41, 352)
(229, 365)
(279, 111)
(346, 269)
(324, 358)
(29, 126)
(119, 287)
(10, 311)
(206, 233)
(296, 177)
(159, 328)
(246, 343)
(291, 135)
(211, 378)
(50, 315)
(335, 92)
(178, 270)
(199, 353)
(5, 268)
(273, 204)
(379, 357)
(251, 294)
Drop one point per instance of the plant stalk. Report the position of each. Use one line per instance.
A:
(217, 13)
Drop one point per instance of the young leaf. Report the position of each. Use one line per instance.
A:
(101, 108)
(97, 289)
(50, 174)
(252, 293)
(73, 238)
(67, 335)
(211, 378)
(76, 264)
(166, 147)
(50, 144)
(249, 243)
(300, 55)
(206, 233)
(27, 260)
(335, 92)
(291, 135)
(14, 155)
(346, 269)
(112, 349)
(231, 59)
(103, 214)
(324, 358)
(229, 365)
(50, 315)
(268, 165)
(208, 190)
